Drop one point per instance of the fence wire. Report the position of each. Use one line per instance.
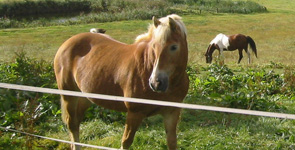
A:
(133, 100)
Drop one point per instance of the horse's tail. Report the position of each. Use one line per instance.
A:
(252, 45)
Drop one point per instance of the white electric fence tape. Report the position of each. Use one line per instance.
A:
(58, 140)
(134, 100)
(145, 101)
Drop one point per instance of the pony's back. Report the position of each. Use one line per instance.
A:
(221, 40)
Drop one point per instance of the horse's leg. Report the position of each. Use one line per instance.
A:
(170, 121)
(221, 57)
(249, 56)
(73, 109)
(133, 121)
(241, 55)
(69, 108)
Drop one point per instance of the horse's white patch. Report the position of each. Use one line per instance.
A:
(221, 40)
(93, 30)
(155, 69)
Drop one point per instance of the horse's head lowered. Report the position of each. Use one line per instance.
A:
(170, 52)
(208, 55)
(209, 52)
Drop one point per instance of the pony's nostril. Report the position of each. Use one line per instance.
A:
(158, 83)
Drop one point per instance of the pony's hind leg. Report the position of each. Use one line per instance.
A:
(133, 121)
(171, 118)
(249, 56)
(73, 109)
(240, 55)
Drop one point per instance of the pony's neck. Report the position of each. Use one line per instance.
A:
(144, 56)
(210, 49)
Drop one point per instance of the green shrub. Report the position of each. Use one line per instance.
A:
(256, 89)
(13, 103)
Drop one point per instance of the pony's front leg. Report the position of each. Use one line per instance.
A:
(69, 114)
(73, 109)
(170, 121)
(133, 121)
(221, 57)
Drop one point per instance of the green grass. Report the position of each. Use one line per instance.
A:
(273, 33)
(197, 130)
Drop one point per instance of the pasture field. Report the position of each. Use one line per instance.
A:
(274, 35)
(273, 32)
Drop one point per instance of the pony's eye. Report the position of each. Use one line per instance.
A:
(173, 47)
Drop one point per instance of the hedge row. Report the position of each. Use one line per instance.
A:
(11, 9)
(28, 8)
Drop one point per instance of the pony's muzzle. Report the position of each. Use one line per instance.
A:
(208, 59)
(159, 83)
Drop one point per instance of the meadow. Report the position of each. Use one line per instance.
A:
(269, 81)
(267, 29)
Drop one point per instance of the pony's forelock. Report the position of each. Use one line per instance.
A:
(161, 33)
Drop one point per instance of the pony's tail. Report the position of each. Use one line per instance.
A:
(252, 45)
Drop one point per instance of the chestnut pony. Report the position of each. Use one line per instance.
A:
(230, 43)
(153, 67)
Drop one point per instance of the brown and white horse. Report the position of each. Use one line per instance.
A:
(153, 67)
(230, 43)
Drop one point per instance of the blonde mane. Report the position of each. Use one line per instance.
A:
(161, 32)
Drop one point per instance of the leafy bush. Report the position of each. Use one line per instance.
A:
(289, 81)
(15, 104)
(256, 89)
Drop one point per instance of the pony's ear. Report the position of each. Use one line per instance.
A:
(156, 21)
(173, 24)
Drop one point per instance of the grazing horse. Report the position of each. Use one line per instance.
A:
(230, 43)
(97, 30)
(153, 67)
